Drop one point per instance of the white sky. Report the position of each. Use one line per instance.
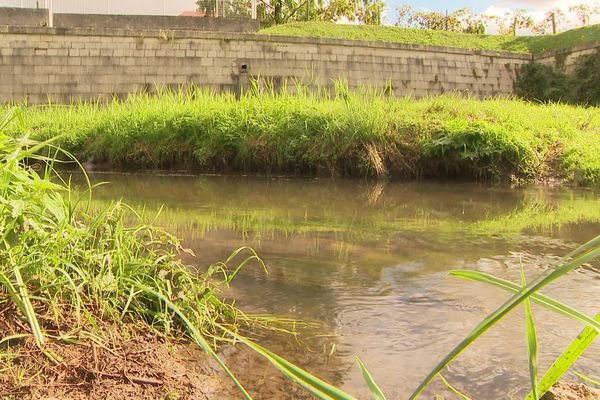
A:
(174, 7)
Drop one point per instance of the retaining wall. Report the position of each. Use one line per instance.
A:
(31, 17)
(566, 59)
(156, 22)
(23, 16)
(66, 64)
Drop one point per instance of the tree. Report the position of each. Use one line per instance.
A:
(583, 12)
(436, 21)
(405, 16)
(551, 21)
(224, 8)
(337, 9)
(471, 23)
(461, 20)
(367, 12)
(518, 20)
(273, 12)
(370, 11)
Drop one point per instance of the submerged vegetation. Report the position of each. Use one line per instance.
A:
(521, 44)
(361, 133)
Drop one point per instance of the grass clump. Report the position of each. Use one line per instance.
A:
(520, 44)
(362, 133)
(71, 279)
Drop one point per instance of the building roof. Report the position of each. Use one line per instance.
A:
(192, 14)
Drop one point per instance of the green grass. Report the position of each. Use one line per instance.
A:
(521, 44)
(68, 274)
(347, 133)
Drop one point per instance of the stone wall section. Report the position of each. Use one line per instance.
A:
(69, 64)
(566, 59)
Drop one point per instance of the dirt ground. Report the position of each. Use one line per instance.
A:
(152, 367)
(145, 367)
(572, 391)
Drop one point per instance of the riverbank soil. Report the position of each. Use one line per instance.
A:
(132, 363)
(146, 367)
(572, 391)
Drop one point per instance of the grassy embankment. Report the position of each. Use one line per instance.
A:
(521, 44)
(355, 134)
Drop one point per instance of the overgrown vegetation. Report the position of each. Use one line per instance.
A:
(72, 279)
(346, 133)
(544, 83)
(521, 44)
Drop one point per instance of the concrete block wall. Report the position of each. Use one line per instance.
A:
(70, 64)
(14, 16)
(156, 22)
(41, 17)
(566, 59)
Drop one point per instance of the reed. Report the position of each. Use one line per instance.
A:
(361, 133)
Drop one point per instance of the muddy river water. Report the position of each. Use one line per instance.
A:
(369, 261)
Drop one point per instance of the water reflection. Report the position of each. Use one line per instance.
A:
(370, 261)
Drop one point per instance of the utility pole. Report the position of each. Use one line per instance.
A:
(554, 22)
(446, 21)
(48, 4)
(307, 10)
(254, 16)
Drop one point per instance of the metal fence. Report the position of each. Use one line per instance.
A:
(197, 8)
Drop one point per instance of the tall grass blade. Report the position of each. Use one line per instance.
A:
(567, 359)
(316, 386)
(538, 298)
(453, 389)
(196, 335)
(532, 343)
(28, 307)
(588, 379)
(375, 390)
(505, 309)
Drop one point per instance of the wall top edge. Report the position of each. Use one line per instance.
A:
(187, 34)
(567, 50)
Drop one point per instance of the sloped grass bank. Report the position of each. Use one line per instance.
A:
(520, 44)
(355, 134)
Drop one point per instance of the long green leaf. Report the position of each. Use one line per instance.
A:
(375, 390)
(503, 310)
(196, 335)
(316, 386)
(28, 307)
(567, 359)
(538, 298)
(588, 379)
(453, 389)
(532, 343)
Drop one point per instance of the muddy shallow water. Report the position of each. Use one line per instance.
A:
(370, 262)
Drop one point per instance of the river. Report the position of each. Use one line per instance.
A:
(369, 262)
